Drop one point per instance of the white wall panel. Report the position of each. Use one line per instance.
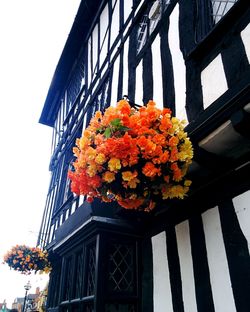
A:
(186, 264)
(127, 8)
(213, 81)
(157, 72)
(242, 209)
(115, 25)
(139, 85)
(178, 64)
(104, 22)
(162, 291)
(89, 62)
(245, 35)
(95, 47)
(114, 85)
(217, 262)
(125, 68)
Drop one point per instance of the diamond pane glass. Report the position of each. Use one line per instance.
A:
(79, 275)
(68, 279)
(121, 268)
(91, 265)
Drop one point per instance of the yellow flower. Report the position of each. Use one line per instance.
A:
(187, 182)
(90, 153)
(92, 169)
(100, 159)
(108, 176)
(114, 164)
(98, 115)
(82, 143)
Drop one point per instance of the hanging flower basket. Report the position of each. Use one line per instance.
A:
(132, 156)
(26, 259)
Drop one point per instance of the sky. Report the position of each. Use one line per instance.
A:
(32, 37)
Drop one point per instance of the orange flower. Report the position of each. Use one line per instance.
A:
(149, 170)
(131, 203)
(123, 107)
(173, 141)
(146, 151)
(108, 176)
(128, 175)
(159, 139)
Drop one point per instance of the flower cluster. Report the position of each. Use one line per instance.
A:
(26, 259)
(132, 156)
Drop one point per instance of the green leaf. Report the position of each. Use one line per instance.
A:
(116, 122)
(107, 133)
(123, 128)
(99, 130)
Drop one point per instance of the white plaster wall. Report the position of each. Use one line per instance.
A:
(217, 262)
(114, 85)
(139, 85)
(89, 62)
(186, 265)
(242, 209)
(162, 291)
(115, 26)
(104, 20)
(157, 72)
(245, 35)
(95, 47)
(127, 8)
(178, 64)
(125, 68)
(213, 81)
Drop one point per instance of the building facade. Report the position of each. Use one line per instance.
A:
(191, 255)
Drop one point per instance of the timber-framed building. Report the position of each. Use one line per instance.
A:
(191, 255)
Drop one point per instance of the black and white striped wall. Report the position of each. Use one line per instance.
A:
(201, 264)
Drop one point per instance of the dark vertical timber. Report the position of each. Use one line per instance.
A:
(147, 76)
(174, 270)
(120, 77)
(187, 20)
(237, 255)
(203, 289)
(110, 78)
(204, 18)
(132, 64)
(194, 97)
(167, 69)
(147, 276)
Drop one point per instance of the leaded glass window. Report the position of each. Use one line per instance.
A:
(149, 21)
(220, 8)
(121, 268)
(91, 269)
(209, 13)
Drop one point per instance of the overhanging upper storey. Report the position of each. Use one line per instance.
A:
(82, 23)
